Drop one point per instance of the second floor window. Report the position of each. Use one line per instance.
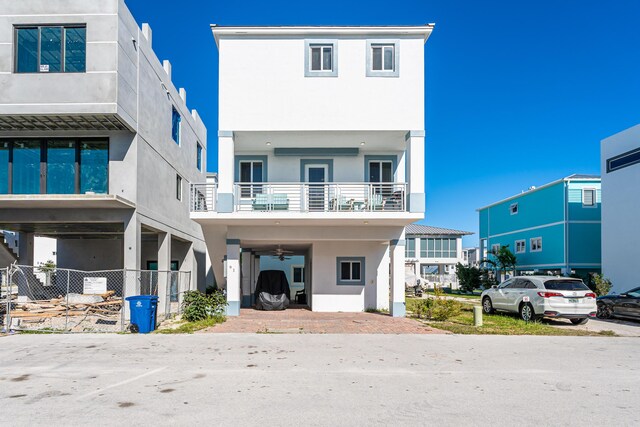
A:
(410, 249)
(321, 58)
(250, 174)
(54, 166)
(536, 244)
(438, 248)
(50, 49)
(589, 197)
(178, 187)
(521, 246)
(380, 171)
(175, 125)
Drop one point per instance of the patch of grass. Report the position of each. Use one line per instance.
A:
(191, 327)
(456, 294)
(41, 331)
(503, 324)
(376, 310)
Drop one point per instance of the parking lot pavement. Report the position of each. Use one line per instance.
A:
(265, 379)
(622, 328)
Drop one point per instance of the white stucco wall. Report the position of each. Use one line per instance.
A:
(620, 213)
(263, 86)
(328, 296)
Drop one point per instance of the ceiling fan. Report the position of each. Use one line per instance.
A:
(281, 254)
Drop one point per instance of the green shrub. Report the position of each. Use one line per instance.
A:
(197, 306)
(470, 278)
(437, 308)
(601, 285)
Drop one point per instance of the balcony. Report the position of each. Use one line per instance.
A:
(305, 197)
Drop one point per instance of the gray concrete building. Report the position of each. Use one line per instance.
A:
(97, 146)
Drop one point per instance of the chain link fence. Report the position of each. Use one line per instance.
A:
(50, 299)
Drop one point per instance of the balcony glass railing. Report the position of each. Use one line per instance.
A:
(306, 197)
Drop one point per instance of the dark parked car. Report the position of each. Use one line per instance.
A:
(624, 305)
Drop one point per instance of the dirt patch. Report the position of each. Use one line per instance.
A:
(125, 404)
(21, 378)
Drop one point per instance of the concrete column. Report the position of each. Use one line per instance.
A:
(254, 279)
(25, 248)
(233, 277)
(246, 272)
(132, 248)
(164, 268)
(226, 171)
(415, 171)
(382, 282)
(397, 304)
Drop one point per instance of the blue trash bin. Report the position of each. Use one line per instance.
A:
(143, 312)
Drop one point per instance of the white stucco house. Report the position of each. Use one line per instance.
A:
(433, 252)
(321, 154)
(620, 162)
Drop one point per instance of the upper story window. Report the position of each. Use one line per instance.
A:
(410, 249)
(521, 246)
(536, 244)
(513, 209)
(623, 160)
(178, 187)
(321, 58)
(54, 166)
(199, 157)
(495, 248)
(380, 171)
(50, 49)
(382, 58)
(175, 125)
(588, 197)
(251, 172)
(438, 248)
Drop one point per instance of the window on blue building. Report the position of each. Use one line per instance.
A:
(25, 175)
(175, 125)
(4, 167)
(51, 49)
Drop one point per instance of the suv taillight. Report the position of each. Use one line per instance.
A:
(590, 295)
(550, 294)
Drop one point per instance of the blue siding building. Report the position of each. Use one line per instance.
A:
(554, 228)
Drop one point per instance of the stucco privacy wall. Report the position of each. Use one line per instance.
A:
(375, 292)
(324, 103)
(620, 212)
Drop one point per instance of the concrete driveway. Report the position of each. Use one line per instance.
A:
(622, 328)
(262, 379)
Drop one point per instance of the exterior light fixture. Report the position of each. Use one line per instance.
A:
(268, 142)
(362, 143)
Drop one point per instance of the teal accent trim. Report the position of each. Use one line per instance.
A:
(334, 58)
(246, 158)
(233, 308)
(398, 309)
(225, 203)
(246, 301)
(414, 134)
(417, 202)
(396, 60)
(392, 159)
(233, 241)
(398, 242)
(225, 134)
(328, 162)
(363, 270)
(317, 151)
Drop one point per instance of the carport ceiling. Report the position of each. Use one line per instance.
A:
(80, 230)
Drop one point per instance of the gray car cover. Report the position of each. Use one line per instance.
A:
(266, 301)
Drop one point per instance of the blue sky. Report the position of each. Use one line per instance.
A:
(519, 93)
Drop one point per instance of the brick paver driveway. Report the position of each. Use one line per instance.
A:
(298, 320)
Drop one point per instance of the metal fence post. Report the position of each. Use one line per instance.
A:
(66, 319)
(124, 294)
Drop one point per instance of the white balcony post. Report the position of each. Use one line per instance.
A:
(233, 277)
(415, 170)
(226, 172)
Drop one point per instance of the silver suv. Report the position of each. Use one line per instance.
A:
(542, 296)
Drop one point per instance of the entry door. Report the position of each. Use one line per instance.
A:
(316, 176)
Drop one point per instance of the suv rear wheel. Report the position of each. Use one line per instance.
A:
(526, 312)
(579, 321)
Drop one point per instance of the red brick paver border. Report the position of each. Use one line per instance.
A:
(302, 321)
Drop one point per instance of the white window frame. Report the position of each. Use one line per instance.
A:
(539, 245)
(493, 248)
(383, 47)
(384, 43)
(513, 211)
(595, 197)
(321, 43)
(524, 246)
